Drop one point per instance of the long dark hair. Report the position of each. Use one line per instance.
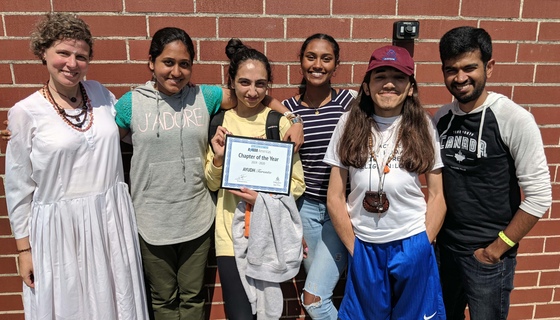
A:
(416, 141)
(238, 53)
(317, 36)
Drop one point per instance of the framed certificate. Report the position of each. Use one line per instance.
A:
(258, 164)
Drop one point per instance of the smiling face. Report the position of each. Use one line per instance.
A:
(318, 63)
(250, 86)
(388, 89)
(67, 62)
(172, 68)
(465, 77)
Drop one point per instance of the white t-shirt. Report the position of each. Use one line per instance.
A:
(407, 206)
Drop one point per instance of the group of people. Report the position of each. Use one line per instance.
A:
(87, 247)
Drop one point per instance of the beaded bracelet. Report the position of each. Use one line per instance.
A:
(24, 250)
(505, 238)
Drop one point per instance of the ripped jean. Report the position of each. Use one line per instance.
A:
(326, 258)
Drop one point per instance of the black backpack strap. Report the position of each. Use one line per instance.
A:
(215, 121)
(273, 125)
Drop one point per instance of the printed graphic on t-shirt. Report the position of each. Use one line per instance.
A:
(172, 120)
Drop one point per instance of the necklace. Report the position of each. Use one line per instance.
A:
(315, 106)
(72, 99)
(76, 121)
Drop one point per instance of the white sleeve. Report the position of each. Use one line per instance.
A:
(18, 180)
(523, 138)
(437, 149)
(331, 155)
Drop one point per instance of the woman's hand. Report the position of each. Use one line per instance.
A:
(218, 142)
(295, 135)
(26, 268)
(5, 134)
(248, 195)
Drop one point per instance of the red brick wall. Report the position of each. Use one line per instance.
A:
(526, 35)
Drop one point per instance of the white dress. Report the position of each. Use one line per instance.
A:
(65, 190)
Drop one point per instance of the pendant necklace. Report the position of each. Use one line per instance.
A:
(72, 99)
(76, 121)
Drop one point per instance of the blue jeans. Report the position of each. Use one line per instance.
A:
(485, 288)
(326, 258)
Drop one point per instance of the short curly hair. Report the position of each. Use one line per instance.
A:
(59, 26)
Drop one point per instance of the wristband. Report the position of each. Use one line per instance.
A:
(290, 115)
(505, 238)
(24, 250)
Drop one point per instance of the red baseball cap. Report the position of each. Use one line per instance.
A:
(392, 56)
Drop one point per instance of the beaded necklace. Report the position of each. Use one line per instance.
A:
(75, 121)
(386, 169)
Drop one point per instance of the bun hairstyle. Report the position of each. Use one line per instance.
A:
(238, 53)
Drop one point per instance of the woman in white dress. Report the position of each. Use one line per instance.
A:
(68, 205)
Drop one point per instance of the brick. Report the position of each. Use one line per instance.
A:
(545, 228)
(541, 9)
(10, 95)
(549, 31)
(282, 93)
(511, 30)
(426, 52)
(196, 27)
(119, 73)
(160, 6)
(25, 6)
(310, 7)
(109, 50)
(537, 95)
(230, 6)
(302, 28)
(216, 311)
(512, 73)
(359, 51)
(89, 6)
(251, 28)
(11, 284)
(279, 74)
(555, 187)
(437, 95)
(539, 52)
(19, 50)
(12, 302)
(207, 74)
(494, 9)
(30, 73)
(549, 311)
(118, 92)
(430, 8)
(3, 207)
(139, 50)
(284, 51)
(552, 244)
(551, 136)
(12, 316)
(429, 73)
(122, 26)
(504, 52)
(360, 7)
(8, 264)
(538, 262)
(531, 295)
(5, 229)
(7, 246)
(543, 115)
(531, 245)
(525, 279)
(520, 312)
(552, 155)
(5, 74)
(20, 25)
(547, 74)
(436, 28)
(549, 278)
(372, 28)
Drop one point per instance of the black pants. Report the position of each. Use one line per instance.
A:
(236, 302)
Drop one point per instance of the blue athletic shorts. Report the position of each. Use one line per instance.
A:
(395, 280)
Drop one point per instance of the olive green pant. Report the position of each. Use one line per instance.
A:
(175, 276)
